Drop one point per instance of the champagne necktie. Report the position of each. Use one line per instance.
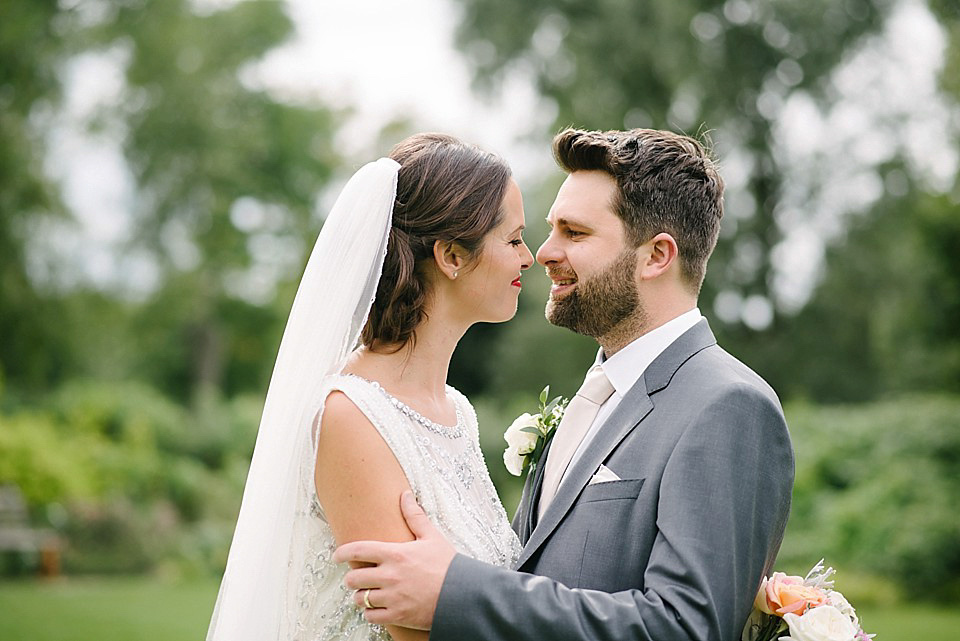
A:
(580, 413)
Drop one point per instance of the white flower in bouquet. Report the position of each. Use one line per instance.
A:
(823, 623)
(807, 608)
(520, 443)
(840, 602)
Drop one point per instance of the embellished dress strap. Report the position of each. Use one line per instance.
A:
(465, 408)
(402, 427)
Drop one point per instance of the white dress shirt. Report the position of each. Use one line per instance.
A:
(625, 368)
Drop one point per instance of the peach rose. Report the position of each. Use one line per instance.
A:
(782, 593)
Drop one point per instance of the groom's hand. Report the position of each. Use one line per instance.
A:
(404, 579)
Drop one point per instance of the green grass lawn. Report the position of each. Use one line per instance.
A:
(138, 609)
(122, 609)
(911, 622)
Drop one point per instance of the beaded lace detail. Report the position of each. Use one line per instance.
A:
(445, 469)
(455, 431)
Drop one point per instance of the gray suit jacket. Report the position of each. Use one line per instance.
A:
(674, 551)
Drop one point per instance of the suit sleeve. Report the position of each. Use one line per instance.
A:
(722, 509)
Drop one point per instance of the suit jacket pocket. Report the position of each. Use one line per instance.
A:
(611, 490)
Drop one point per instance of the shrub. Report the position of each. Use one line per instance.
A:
(878, 490)
(132, 480)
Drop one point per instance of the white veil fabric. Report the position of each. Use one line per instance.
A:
(328, 314)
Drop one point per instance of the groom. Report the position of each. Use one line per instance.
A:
(664, 495)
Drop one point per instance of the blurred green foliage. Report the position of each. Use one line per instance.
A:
(202, 145)
(886, 316)
(723, 65)
(30, 48)
(878, 489)
(883, 317)
(133, 480)
(226, 178)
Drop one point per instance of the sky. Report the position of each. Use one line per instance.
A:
(386, 59)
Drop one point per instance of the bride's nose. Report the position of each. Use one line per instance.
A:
(526, 257)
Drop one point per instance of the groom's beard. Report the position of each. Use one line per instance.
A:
(599, 303)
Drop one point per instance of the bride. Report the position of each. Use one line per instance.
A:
(418, 247)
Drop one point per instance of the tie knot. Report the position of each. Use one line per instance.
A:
(596, 386)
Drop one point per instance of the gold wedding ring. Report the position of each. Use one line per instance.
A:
(366, 599)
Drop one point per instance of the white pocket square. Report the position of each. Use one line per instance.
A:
(603, 475)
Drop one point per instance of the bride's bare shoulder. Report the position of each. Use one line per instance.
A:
(358, 478)
(341, 413)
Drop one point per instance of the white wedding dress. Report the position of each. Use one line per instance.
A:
(447, 473)
(279, 583)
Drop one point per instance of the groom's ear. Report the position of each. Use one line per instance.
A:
(657, 255)
(450, 258)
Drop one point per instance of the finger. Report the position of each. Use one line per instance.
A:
(364, 578)
(367, 599)
(415, 517)
(382, 616)
(360, 552)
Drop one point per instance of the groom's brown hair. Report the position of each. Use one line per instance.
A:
(666, 182)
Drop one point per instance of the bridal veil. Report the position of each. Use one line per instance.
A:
(328, 314)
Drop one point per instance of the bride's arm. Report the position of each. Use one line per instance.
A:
(359, 483)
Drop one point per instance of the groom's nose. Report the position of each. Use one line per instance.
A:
(548, 252)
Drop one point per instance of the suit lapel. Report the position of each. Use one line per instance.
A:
(525, 519)
(626, 417)
(519, 522)
(631, 411)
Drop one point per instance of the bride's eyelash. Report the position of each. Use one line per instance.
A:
(516, 243)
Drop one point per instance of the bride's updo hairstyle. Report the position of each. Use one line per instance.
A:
(447, 190)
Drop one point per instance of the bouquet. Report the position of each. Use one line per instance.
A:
(806, 609)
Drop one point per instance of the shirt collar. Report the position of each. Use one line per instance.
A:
(625, 368)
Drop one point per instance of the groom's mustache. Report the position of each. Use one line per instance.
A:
(556, 274)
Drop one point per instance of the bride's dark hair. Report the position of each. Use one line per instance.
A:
(447, 190)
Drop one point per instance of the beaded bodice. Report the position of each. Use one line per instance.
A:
(447, 473)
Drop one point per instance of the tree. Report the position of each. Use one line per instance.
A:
(227, 175)
(884, 316)
(948, 12)
(726, 65)
(31, 47)
(881, 316)
(883, 319)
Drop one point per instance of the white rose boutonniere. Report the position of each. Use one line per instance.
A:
(520, 443)
(529, 433)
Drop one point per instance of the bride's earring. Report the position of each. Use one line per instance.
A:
(455, 274)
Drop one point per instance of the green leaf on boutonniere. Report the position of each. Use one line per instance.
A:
(541, 425)
(548, 410)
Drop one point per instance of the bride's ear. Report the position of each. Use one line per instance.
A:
(449, 257)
